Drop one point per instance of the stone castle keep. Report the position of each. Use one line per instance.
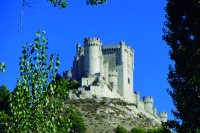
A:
(107, 71)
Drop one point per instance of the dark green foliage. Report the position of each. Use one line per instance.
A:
(182, 34)
(60, 3)
(78, 125)
(3, 119)
(72, 85)
(4, 108)
(138, 130)
(95, 2)
(2, 67)
(4, 99)
(61, 87)
(63, 3)
(121, 129)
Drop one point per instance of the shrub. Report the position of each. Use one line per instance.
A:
(138, 130)
(78, 125)
(121, 129)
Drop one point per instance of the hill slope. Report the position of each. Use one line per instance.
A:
(105, 114)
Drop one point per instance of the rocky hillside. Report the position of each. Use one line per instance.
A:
(103, 115)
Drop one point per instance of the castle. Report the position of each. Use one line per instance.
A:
(107, 71)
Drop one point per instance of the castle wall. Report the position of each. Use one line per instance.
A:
(141, 105)
(87, 81)
(120, 79)
(106, 67)
(102, 65)
(154, 111)
(78, 63)
(75, 69)
(103, 92)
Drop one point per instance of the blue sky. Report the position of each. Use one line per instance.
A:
(138, 23)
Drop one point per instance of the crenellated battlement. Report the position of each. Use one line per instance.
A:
(111, 47)
(92, 41)
(148, 99)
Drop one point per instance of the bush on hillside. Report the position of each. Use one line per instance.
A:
(138, 130)
(121, 129)
(78, 125)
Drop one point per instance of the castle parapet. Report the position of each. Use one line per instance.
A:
(110, 47)
(92, 41)
(148, 99)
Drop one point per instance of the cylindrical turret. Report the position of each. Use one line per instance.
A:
(163, 116)
(148, 104)
(112, 77)
(92, 56)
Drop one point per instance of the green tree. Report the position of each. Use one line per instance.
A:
(4, 99)
(182, 34)
(78, 125)
(35, 107)
(138, 130)
(63, 86)
(121, 129)
(4, 118)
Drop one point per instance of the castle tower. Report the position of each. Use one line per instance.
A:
(93, 56)
(148, 104)
(126, 72)
(163, 116)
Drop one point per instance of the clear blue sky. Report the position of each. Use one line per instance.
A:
(138, 23)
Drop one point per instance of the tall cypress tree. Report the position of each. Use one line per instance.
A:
(182, 35)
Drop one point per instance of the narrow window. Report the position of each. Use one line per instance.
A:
(128, 80)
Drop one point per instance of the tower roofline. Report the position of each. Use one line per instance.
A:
(92, 40)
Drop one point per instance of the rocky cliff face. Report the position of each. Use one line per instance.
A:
(103, 115)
